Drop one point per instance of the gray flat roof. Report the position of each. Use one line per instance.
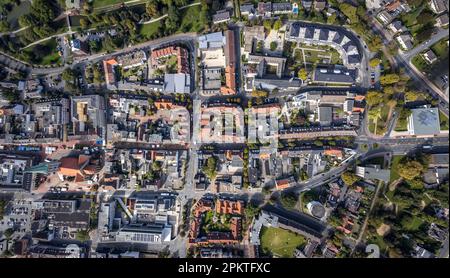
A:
(425, 121)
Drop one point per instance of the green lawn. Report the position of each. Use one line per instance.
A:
(222, 223)
(395, 160)
(441, 48)
(147, 30)
(419, 62)
(313, 56)
(280, 242)
(414, 224)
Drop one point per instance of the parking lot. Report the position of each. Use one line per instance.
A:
(19, 217)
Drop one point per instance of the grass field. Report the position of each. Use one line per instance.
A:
(395, 160)
(279, 242)
(147, 30)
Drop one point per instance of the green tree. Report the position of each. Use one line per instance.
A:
(302, 74)
(388, 90)
(332, 19)
(425, 18)
(374, 98)
(151, 7)
(95, 45)
(374, 62)
(26, 20)
(2, 208)
(273, 45)
(43, 10)
(211, 167)
(375, 43)
(173, 19)
(277, 24)
(84, 23)
(350, 12)
(425, 33)
(412, 96)
(288, 200)
(374, 114)
(410, 169)
(4, 26)
(318, 143)
(267, 23)
(349, 178)
(69, 75)
(389, 79)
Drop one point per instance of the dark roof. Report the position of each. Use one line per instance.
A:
(323, 35)
(353, 59)
(309, 32)
(334, 75)
(144, 228)
(247, 8)
(298, 221)
(221, 15)
(338, 38)
(295, 30)
(281, 7)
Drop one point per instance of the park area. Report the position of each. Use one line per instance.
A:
(379, 117)
(279, 242)
(150, 30)
(45, 53)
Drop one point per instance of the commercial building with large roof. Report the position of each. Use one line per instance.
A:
(424, 121)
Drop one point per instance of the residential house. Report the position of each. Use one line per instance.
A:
(221, 16)
(320, 5)
(281, 8)
(248, 10)
(438, 6)
(385, 17)
(429, 56)
(307, 4)
(397, 27)
(442, 20)
(405, 41)
(265, 9)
